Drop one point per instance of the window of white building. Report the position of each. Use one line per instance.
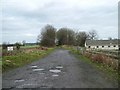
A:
(97, 46)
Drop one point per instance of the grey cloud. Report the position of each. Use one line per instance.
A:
(103, 18)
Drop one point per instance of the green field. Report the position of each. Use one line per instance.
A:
(29, 46)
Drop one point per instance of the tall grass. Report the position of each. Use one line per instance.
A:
(22, 58)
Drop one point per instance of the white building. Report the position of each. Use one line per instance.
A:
(102, 44)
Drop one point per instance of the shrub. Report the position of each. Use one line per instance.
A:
(100, 58)
(44, 48)
(17, 46)
(4, 46)
(97, 58)
(115, 64)
(107, 61)
(88, 55)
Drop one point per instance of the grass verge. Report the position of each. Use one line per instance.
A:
(22, 58)
(109, 72)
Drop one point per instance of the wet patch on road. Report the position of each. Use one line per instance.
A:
(38, 69)
(55, 75)
(55, 71)
(34, 66)
(19, 80)
(59, 67)
(46, 73)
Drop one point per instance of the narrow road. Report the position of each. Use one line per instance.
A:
(57, 70)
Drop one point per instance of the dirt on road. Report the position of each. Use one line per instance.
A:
(59, 69)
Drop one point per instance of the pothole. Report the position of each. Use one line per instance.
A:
(55, 71)
(59, 67)
(34, 66)
(38, 69)
(19, 80)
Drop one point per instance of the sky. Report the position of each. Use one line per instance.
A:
(23, 19)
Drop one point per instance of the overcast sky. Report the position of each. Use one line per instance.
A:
(23, 19)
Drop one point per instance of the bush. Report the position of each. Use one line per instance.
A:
(88, 55)
(115, 64)
(17, 46)
(97, 58)
(44, 48)
(100, 58)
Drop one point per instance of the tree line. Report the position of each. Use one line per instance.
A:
(50, 36)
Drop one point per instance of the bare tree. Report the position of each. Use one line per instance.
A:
(38, 39)
(109, 38)
(47, 36)
(93, 34)
(81, 38)
(71, 37)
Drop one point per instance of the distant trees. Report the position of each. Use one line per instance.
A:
(49, 36)
(4, 45)
(109, 38)
(17, 45)
(62, 36)
(81, 38)
(93, 35)
(71, 37)
(65, 36)
(23, 42)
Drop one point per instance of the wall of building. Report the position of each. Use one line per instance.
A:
(100, 47)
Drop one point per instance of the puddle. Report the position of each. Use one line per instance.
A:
(55, 75)
(20, 80)
(59, 67)
(38, 69)
(34, 66)
(55, 71)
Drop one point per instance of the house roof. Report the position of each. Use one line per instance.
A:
(102, 42)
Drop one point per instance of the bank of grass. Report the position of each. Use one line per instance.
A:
(109, 72)
(22, 58)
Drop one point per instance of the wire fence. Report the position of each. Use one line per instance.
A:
(110, 53)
